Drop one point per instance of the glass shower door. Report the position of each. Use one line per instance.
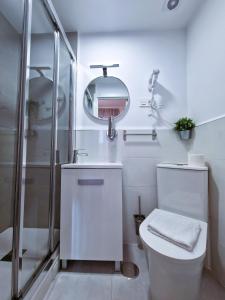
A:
(64, 110)
(34, 126)
(11, 18)
(34, 235)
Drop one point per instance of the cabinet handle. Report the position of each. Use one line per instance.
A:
(90, 181)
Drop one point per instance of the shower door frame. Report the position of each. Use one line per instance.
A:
(59, 33)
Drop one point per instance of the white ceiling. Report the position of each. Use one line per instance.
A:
(123, 15)
(13, 10)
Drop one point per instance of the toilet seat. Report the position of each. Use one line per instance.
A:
(170, 250)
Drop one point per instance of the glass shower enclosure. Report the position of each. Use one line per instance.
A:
(37, 88)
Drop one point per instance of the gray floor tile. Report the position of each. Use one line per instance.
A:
(77, 286)
(129, 289)
(211, 289)
(69, 286)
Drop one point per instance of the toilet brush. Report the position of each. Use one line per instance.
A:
(139, 218)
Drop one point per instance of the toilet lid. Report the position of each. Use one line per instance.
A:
(170, 250)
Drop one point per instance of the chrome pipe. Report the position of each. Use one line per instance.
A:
(20, 170)
(111, 133)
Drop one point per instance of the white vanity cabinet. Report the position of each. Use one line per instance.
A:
(91, 212)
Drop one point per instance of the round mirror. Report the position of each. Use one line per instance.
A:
(106, 97)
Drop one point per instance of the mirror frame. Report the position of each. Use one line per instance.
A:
(101, 120)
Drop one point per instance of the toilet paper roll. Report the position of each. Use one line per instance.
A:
(197, 160)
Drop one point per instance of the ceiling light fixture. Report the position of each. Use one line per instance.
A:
(172, 4)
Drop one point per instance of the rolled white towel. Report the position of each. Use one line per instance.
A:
(179, 230)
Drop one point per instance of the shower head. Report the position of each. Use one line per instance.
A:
(40, 69)
(172, 4)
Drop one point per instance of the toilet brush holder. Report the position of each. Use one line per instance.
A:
(138, 219)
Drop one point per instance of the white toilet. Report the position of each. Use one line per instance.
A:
(175, 273)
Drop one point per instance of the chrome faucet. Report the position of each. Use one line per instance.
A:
(111, 133)
(76, 153)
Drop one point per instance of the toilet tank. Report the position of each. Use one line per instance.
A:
(183, 189)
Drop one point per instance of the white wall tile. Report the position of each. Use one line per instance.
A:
(130, 207)
(140, 171)
(210, 141)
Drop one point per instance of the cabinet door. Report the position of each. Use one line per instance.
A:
(92, 214)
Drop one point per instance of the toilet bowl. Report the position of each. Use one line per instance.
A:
(175, 273)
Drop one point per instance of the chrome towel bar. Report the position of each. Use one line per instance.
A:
(153, 134)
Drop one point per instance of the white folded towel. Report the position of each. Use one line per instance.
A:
(177, 229)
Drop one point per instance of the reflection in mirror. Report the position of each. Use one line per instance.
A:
(106, 97)
(40, 98)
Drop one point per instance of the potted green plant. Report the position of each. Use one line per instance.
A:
(184, 127)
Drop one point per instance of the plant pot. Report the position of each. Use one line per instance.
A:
(185, 134)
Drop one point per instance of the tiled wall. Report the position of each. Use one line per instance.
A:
(9, 66)
(37, 176)
(139, 156)
(205, 94)
(6, 204)
(210, 140)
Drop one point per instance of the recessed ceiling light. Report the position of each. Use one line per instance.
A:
(172, 4)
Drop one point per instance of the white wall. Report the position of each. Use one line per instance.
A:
(206, 101)
(138, 54)
(191, 81)
(206, 62)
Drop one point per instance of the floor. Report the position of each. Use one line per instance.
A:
(72, 285)
(35, 245)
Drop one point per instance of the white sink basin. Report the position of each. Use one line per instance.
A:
(94, 165)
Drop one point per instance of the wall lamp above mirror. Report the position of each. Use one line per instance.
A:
(104, 68)
(106, 99)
